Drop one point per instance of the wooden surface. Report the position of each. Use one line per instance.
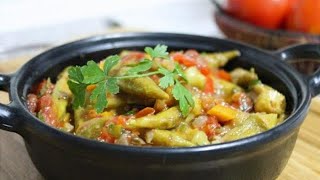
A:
(304, 163)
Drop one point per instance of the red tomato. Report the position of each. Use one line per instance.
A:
(105, 136)
(265, 13)
(47, 111)
(32, 102)
(132, 57)
(241, 101)
(204, 69)
(119, 120)
(305, 16)
(210, 126)
(208, 88)
(144, 112)
(184, 59)
(222, 74)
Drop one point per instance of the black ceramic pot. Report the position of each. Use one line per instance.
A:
(59, 155)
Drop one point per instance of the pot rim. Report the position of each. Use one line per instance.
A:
(34, 124)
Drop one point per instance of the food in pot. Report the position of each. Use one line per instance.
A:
(156, 98)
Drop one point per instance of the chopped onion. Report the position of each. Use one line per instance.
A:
(199, 121)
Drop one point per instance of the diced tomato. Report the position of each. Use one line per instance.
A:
(192, 58)
(192, 53)
(40, 86)
(204, 69)
(90, 114)
(45, 101)
(45, 87)
(46, 109)
(207, 101)
(242, 101)
(144, 112)
(209, 85)
(222, 74)
(119, 120)
(183, 59)
(105, 136)
(210, 126)
(133, 57)
(32, 102)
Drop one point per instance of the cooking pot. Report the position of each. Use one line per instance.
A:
(60, 155)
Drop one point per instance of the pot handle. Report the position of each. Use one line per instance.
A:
(306, 59)
(7, 112)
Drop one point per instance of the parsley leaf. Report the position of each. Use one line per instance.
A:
(178, 70)
(79, 92)
(142, 66)
(98, 96)
(92, 73)
(160, 51)
(184, 97)
(75, 74)
(112, 85)
(168, 78)
(110, 62)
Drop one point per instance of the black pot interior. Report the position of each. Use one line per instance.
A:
(270, 70)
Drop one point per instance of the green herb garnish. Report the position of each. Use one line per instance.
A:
(91, 74)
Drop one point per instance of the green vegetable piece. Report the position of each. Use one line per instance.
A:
(78, 117)
(143, 87)
(115, 101)
(243, 77)
(61, 93)
(60, 96)
(267, 121)
(122, 99)
(115, 130)
(249, 128)
(197, 109)
(269, 100)
(92, 128)
(226, 88)
(195, 77)
(167, 138)
(219, 59)
(195, 136)
(164, 120)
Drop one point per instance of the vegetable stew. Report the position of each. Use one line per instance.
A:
(157, 98)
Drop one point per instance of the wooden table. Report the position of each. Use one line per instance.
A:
(304, 163)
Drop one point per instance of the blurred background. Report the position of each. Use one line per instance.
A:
(25, 22)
